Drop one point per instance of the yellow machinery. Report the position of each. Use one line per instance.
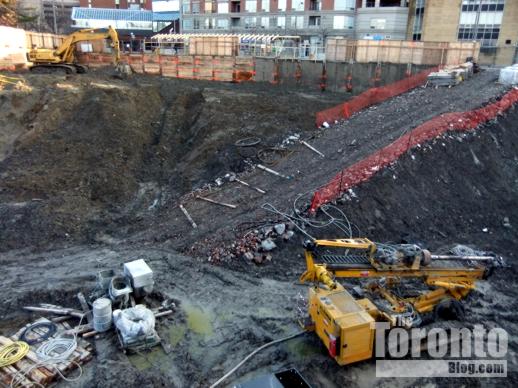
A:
(63, 57)
(346, 324)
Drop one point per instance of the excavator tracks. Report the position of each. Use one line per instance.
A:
(53, 69)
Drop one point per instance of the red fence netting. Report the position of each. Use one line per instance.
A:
(370, 97)
(366, 168)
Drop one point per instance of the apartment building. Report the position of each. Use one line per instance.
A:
(492, 22)
(382, 19)
(117, 4)
(47, 15)
(310, 19)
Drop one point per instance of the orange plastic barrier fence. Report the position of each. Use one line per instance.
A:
(366, 168)
(370, 97)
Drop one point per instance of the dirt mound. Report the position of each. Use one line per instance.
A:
(81, 153)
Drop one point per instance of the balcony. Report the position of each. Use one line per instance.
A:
(315, 6)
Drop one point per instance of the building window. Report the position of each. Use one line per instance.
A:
(297, 22)
(344, 5)
(186, 6)
(251, 5)
(484, 5)
(265, 22)
(314, 5)
(209, 23)
(222, 7)
(297, 5)
(222, 23)
(208, 6)
(187, 24)
(196, 24)
(281, 5)
(481, 20)
(417, 28)
(195, 7)
(250, 22)
(265, 4)
(314, 21)
(342, 22)
(279, 22)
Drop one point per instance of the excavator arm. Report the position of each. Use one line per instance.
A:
(64, 56)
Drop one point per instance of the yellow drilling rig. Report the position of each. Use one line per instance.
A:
(346, 323)
(63, 57)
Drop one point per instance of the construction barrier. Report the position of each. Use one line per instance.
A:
(366, 168)
(370, 97)
(206, 67)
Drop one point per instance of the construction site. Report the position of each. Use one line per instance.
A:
(215, 211)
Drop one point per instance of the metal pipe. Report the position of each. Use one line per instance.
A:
(448, 257)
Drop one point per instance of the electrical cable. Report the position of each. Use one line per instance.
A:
(51, 353)
(230, 372)
(9, 354)
(51, 329)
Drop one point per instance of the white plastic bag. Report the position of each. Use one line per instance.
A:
(134, 322)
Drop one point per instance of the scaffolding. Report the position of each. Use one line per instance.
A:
(255, 45)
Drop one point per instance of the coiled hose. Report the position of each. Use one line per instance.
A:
(9, 354)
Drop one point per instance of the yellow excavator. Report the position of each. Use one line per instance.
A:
(346, 323)
(63, 58)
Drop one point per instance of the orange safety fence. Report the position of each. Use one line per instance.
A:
(366, 168)
(370, 97)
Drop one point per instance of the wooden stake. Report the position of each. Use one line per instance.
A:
(272, 171)
(248, 185)
(184, 211)
(216, 202)
(312, 148)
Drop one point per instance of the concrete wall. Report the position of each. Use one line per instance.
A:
(509, 28)
(392, 22)
(307, 74)
(441, 20)
(498, 56)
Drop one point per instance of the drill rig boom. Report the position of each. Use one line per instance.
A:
(345, 324)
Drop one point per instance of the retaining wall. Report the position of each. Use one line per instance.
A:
(372, 96)
(366, 168)
(332, 76)
(214, 68)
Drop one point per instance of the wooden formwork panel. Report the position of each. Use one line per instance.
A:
(184, 72)
(137, 67)
(426, 53)
(244, 61)
(185, 59)
(152, 68)
(169, 70)
(214, 45)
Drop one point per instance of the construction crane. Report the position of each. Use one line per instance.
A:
(63, 57)
(346, 324)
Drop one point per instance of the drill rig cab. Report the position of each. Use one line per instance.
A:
(63, 57)
(346, 324)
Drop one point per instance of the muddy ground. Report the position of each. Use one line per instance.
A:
(78, 195)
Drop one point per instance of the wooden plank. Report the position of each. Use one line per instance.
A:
(41, 375)
(7, 373)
